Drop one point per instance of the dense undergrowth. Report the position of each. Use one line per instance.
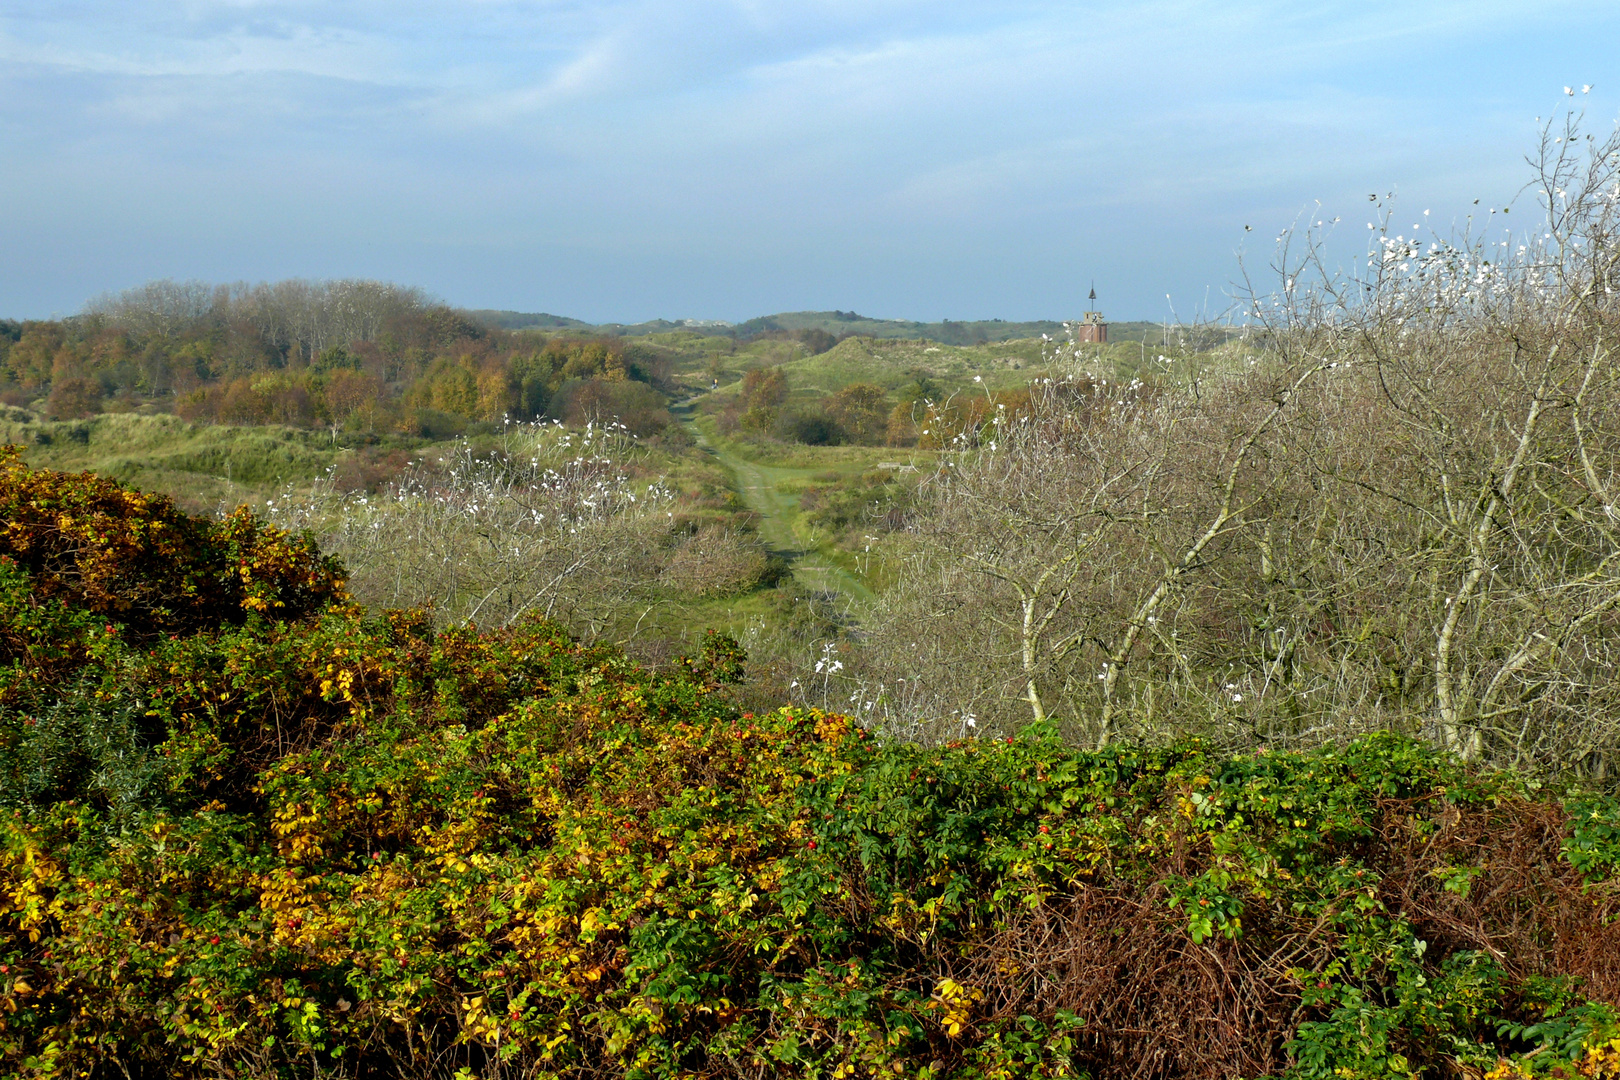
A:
(250, 829)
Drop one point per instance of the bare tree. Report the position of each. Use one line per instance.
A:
(158, 308)
(1391, 500)
(300, 317)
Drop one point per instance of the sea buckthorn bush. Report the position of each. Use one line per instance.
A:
(305, 839)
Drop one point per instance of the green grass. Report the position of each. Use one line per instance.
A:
(891, 363)
(766, 490)
(770, 479)
(845, 460)
(202, 466)
(894, 365)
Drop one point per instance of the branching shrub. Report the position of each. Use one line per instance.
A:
(138, 561)
(1392, 505)
(548, 522)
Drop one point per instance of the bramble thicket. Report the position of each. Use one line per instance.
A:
(251, 829)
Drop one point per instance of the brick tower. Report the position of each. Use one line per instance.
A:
(1092, 329)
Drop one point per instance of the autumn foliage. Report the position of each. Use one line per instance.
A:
(94, 545)
(358, 355)
(249, 829)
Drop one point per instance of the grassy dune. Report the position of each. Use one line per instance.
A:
(895, 364)
(200, 465)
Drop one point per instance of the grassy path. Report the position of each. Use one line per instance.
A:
(760, 488)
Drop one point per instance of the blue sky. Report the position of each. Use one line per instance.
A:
(632, 159)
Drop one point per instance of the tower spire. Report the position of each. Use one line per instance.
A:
(1093, 329)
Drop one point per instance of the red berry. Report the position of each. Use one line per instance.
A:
(214, 940)
(1045, 829)
(811, 845)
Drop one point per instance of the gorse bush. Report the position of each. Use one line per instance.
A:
(307, 840)
(100, 548)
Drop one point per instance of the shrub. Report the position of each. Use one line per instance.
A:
(861, 412)
(635, 405)
(344, 843)
(74, 399)
(1390, 505)
(615, 874)
(812, 429)
(137, 560)
(718, 561)
(548, 521)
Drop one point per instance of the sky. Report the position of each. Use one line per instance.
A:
(623, 160)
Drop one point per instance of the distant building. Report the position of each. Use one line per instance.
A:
(1092, 330)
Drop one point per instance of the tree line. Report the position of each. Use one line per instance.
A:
(354, 354)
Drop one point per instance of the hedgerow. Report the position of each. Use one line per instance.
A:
(253, 830)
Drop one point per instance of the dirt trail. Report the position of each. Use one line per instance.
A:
(758, 486)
